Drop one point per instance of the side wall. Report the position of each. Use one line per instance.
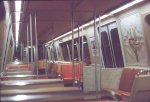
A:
(132, 34)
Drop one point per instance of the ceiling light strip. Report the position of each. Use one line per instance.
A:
(17, 18)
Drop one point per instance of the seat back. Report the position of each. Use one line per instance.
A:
(127, 79)
(67, 71)
(141, 89)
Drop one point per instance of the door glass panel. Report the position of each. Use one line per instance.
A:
(106, 50)
(116, 47)
(111, 48)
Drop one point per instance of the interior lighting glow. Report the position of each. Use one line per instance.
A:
(103, 17)
(20, 97)
(20, 75)
(126, 6)
(18, 5)
(17, 32)
(21, 83)
(17, 18)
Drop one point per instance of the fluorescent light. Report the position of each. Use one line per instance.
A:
(29, 47)
(20, 97)
(18, 5)
(21, 83)
(17, 18)
(47, 44)
(17, 32)
(103, 17)
(126, 6)
(16, 62)
(63, 35)
(20, 75)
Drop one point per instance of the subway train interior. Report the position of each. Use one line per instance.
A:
(75, 51)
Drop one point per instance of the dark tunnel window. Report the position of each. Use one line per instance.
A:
(65, 51)
(77, 49)
(111, 48)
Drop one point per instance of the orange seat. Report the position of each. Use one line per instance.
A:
(13, 66)
(126, 81)
(67, 70)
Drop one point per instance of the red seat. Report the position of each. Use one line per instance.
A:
(13, 66)
(126, 81)
(67, 70)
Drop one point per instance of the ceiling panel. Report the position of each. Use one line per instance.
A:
(54, 16)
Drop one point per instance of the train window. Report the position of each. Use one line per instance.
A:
(65, 51)
(40, 52)
(46, 53)
(51, 52)
(77, 43)
(75, 49)
(111, 48)
(54, 51)
(106, 50)
(117, 48)
(70, 48)
(76, 58)
(86, 55)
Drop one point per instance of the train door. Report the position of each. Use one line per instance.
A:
(111, 49)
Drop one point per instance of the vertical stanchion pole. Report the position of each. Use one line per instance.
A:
(31, 44)
(36, 48)
(96, 42)
(13, 49)
(53, 56)
(5, 45)
(7, 49)
(100, 44)
(100, 52)
(47, 64)
(28, 44)
(79, 54)
(13, 46)
(72, 28)
(45, 61)
(21, 51)
(82, 45)
(79, 57)
(43, 51)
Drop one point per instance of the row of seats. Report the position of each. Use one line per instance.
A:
(129, 79)
(65, 69)
(62, 69)
(14, 66)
